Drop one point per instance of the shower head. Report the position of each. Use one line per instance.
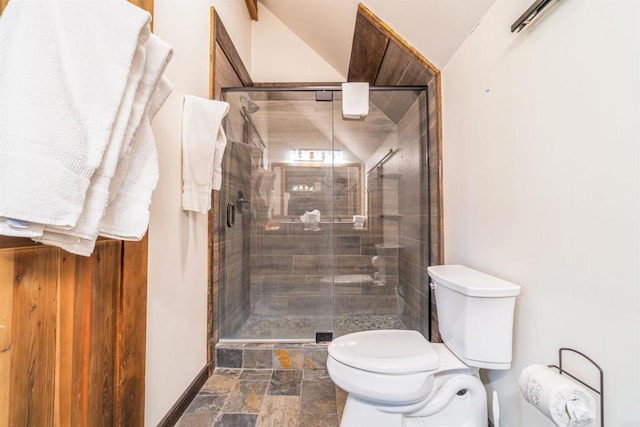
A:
(251, 106)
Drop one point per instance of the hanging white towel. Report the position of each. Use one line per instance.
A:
(127, 216)
(355, 100)
(62, 82)
(203, 145)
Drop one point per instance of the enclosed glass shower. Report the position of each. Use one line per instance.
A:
(323, 220)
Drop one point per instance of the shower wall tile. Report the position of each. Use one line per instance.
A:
(435, 332)
(292, 273)
(233, 263)
(279, 245)
(365, 304)
(271, 264)
(291, 285)
(348, 289)
(414, 305)
(374, 289)
(312, 305)
(323, 264)
(368, 243)
(347, 245)
(269, 305)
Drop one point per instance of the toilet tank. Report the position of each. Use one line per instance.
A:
(475, 315)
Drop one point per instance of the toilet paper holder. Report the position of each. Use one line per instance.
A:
(599, 391)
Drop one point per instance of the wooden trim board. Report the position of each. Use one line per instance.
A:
(181, 405)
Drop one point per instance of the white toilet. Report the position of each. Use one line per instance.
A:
(396, 378)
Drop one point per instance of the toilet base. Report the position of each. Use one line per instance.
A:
(446, 408)
(361, 413)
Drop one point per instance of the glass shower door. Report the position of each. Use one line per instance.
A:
(323, 220)
(276, 263)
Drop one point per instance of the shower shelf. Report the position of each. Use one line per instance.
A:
(392, 217)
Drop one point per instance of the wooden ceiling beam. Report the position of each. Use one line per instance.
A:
(252, 7)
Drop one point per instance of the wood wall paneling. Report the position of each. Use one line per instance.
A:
(60, 333)
(67, 322)
(226, 44)
(105, 282)
(392, 65)
(225, 74)
(402, 65)
(131, 334)
(6, 328)
(367, 51)
(33, 344)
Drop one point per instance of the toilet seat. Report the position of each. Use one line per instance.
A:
(394, 352)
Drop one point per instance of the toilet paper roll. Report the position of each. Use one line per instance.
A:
(562, 400)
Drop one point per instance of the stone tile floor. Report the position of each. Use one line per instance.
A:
(266, 397)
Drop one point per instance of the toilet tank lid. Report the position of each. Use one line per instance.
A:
(471, 282)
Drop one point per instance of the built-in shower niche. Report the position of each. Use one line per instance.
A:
(282, 279)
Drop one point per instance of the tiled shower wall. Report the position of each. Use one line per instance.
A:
(298, 256)
(405, 174)
(289, 265)
(234, 250)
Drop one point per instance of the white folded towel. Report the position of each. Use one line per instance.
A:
(562, 400)
(355, 100)
(147, 102)
(62, 83)
(149, 63)
(203, 145)
(17, 228)
(127, 216)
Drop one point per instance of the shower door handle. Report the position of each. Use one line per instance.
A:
(231, 215)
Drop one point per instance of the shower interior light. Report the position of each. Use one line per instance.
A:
(319, 156)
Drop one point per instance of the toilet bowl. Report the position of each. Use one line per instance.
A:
(396, 378)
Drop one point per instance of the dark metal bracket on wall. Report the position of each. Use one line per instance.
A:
(383, 160)
(534, 11)
(599, 391)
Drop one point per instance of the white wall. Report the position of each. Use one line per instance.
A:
(279, 55)
(542, 186)
(177, 289)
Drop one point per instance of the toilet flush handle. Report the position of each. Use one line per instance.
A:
(432, 286)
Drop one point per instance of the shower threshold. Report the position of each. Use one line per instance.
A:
(302, 329)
